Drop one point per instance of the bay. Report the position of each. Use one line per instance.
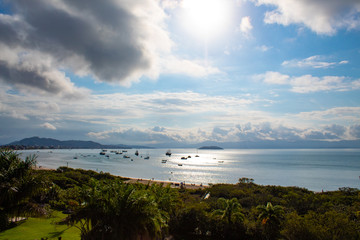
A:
(314, 169)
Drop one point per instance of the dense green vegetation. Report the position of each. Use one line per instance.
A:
(17, 185)
(103, 206)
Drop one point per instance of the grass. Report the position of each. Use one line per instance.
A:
(37, 228)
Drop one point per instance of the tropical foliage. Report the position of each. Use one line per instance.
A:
(116, 210)
(17, 185)
(270, 217)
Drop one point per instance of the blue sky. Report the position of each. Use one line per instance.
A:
(180, 71)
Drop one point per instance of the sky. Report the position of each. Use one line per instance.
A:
(180, 71)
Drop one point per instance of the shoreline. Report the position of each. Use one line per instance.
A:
(165, 183)
(145, 181)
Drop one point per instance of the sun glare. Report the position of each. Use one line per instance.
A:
(205, 18)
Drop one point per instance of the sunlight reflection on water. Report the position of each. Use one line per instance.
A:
(315, 169)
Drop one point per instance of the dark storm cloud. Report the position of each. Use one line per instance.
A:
(105, 39)
(10, 29)
(104, 34)
(35, 79)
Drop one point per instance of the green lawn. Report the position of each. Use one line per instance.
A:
(37, 228)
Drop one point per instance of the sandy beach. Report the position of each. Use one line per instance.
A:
(146, 181)
(165, 183)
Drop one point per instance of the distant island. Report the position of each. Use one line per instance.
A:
(211, 148)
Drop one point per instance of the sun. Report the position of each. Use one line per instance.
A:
(205, 18)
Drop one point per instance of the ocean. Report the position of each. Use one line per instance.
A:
(314, 169)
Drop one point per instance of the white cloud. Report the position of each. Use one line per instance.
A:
(48, 126)
(246, 26)
(185, 117)
(115, 41)
(170, 4)
(274, 78)
(350, 114)
(309, 83)
(174, 65)
(263, 48)
(322, 17)
(235, 133)
(313, 62)
(144, 136)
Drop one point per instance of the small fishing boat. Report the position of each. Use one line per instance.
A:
(183, 158)
(168, 153)
(137, 153)
(163, 161)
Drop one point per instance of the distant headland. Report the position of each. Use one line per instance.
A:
(50, 143)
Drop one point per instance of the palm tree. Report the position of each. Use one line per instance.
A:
(270, 217)
(17, 185)
(118, 210)
(230, 210)
(167, 198)
(231, 224)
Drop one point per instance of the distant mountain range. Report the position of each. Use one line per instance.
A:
(37, 142)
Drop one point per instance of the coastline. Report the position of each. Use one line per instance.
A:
(145, 181)
(165, 183)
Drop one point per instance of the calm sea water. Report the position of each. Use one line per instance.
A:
(314, 169)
